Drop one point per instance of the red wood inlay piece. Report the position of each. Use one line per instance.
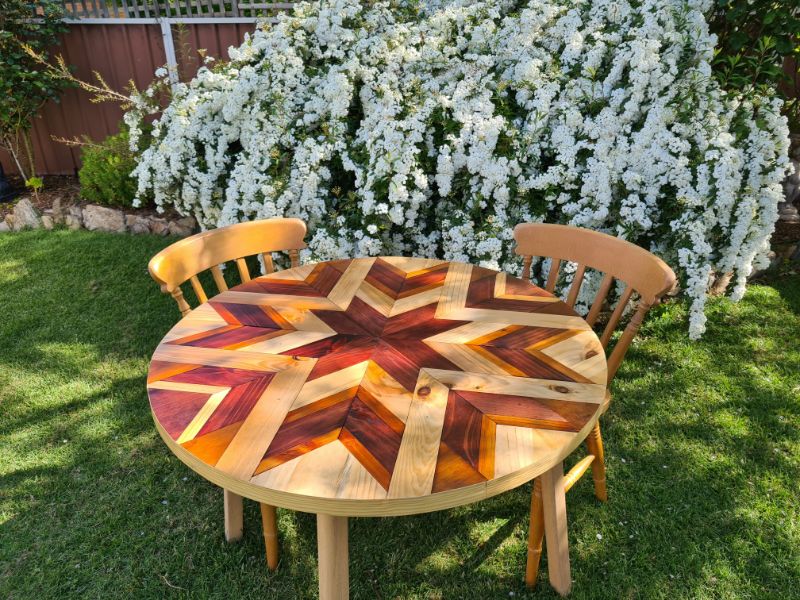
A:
(176, 409)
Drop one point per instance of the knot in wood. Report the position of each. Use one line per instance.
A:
(424, 391)
(561, 389)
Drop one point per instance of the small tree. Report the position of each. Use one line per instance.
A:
(26, 85)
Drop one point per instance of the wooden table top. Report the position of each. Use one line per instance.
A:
(379, 386)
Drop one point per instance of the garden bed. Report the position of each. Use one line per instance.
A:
(60, 203)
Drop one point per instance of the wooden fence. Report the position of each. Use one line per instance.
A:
(82, 9)
(120, 52)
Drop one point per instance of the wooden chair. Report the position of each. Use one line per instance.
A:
(642, 273)
(184, 260)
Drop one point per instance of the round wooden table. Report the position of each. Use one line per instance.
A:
(380, 386)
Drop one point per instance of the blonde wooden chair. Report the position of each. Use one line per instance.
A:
(641, 273)
(184, 260)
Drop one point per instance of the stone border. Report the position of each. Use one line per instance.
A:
(94, 218)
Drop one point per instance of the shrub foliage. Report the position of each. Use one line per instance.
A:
(105, 174)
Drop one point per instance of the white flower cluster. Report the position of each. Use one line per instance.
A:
(433, 127)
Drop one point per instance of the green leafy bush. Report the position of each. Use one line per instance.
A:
(759, 49)
(106, 172)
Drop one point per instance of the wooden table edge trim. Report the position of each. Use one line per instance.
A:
(395, 507)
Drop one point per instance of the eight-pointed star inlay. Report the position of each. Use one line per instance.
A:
(397, 377)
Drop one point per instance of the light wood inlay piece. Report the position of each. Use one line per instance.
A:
(416, 460)
(347, 286)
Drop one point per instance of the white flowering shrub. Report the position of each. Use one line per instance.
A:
(432, 128)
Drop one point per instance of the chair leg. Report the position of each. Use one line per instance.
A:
(535, 535)
(234, 518)
(594, 442)
(270, 523)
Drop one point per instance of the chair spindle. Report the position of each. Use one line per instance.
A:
(577, 471)
(575, 288)
(244, 272)
(269, 265)
(615, 317)
(526, 267)
(219, 279)
(294, 256)
(183, 306)
(198, 289)
(552, 276)
(625, 339)
(597, 304)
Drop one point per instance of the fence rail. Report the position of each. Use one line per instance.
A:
(148, 9)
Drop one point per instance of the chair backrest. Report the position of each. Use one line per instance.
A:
(640, 271)
(184, 260)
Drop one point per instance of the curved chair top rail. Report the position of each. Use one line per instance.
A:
(183, 260)
(650, 276)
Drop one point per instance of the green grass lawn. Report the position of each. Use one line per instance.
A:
(702, 441)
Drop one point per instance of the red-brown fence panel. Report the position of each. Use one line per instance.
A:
(120, 52)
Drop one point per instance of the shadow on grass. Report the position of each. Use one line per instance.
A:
(94, 504)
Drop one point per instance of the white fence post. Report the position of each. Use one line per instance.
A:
(169, 50)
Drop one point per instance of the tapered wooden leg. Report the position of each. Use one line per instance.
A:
(554, 506)
(234, 520)
(535, 535)
(334, 583)
(269, 521)
(594, 443)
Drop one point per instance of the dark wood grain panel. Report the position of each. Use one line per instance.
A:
(176, 409)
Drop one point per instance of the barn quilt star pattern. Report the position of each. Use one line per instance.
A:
(377, 378)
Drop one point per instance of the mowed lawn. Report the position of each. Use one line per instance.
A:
(702, 441)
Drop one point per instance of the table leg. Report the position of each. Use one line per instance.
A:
(333, 558)
(555, 529)
(234, 519)
(269, 522)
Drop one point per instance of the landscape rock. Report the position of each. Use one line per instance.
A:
(794, 176)
(159, 226)
(47, 221)
(182, 227)
(58, 210)
(137, 224)
(74, 217)
(4, 227)
(26, 215)
(787, 212)
(100, 218)
(9, 220)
